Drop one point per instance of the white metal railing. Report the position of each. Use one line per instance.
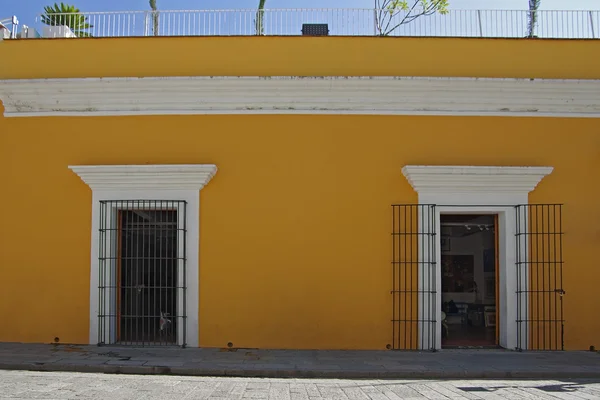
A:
(341, 22)
(5, 31)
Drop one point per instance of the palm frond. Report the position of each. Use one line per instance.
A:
(67, 15)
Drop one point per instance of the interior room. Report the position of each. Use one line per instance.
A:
(469, 280)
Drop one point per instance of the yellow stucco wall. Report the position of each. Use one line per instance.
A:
(304, 56)
(295, 228)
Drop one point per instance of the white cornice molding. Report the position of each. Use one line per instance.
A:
(300, 95)
(145, 177)
(427, 179)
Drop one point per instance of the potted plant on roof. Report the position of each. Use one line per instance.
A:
(69, 16)
(260, 16)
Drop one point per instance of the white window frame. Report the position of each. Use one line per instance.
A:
(150, 182)
(470, 190)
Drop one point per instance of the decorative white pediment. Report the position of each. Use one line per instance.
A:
(300, 95)
(142, 184)
(145, 177)
(433, 179)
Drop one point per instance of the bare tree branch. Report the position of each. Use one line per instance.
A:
(388, 10)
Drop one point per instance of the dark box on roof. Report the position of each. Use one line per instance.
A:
(315, 29)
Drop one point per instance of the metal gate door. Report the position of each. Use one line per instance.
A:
(142, 273)
(414, 277)
(540, 293)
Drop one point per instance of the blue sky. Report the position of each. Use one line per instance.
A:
(26, 10)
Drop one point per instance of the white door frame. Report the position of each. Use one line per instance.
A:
(484, 190)
(192, 200)
(149, 182)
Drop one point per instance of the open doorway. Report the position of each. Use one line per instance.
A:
(469, 270)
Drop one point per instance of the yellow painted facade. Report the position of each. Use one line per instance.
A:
(295, 227)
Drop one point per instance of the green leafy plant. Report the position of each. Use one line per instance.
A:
(260, 16)
(391, 14)
(154, 17)
(67, 15)
(533, 17)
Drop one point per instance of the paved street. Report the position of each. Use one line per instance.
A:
(73, 385)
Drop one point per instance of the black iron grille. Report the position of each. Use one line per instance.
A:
(142, 261)
(540, 259)
(538, 267)
(413, 250)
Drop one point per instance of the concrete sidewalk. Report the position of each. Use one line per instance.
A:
(446, 364)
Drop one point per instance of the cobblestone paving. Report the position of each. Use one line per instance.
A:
(72, 385)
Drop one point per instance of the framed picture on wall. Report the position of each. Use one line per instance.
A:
(458, 273)
(489, 260)
(490, 288)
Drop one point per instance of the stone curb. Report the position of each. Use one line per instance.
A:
(297, 373)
